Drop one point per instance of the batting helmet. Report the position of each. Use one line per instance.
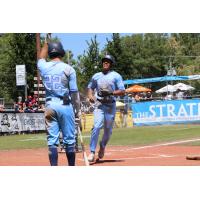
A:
(108, 57)
(55, 49)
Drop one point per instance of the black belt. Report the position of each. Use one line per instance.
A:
(49, 98)
(106, 101)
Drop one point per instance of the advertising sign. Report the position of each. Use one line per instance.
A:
(166, 112)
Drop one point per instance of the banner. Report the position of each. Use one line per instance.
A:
(19, 122)
(20, 75)
(166, 112)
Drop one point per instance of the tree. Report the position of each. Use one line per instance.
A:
(20, 49)
(123, 63)
(89, 62)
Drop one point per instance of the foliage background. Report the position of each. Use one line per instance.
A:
(137, 56)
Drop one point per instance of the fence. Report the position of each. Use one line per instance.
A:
(15, 123)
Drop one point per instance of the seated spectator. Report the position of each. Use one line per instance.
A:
(1, 108)
(16, 107)
(20, 109)
(41, 108)
(169, 96)
(34, 99)
(29, 108)
(137, 97)
(179, 94)
(149, 96)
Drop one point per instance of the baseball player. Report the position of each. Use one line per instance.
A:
(107, 85)
(62, 101)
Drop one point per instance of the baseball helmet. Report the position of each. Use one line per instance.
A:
(108, 57)
(55, 49)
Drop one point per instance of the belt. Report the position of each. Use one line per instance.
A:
(49, 98)
(106, 101)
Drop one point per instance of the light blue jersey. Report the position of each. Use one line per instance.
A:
(105, 107)
(111, 81)
(59, 80)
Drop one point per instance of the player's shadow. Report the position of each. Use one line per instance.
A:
(105, 161)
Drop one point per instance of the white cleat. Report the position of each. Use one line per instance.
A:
(91, 157)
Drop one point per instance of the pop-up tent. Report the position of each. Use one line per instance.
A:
(167, 88)
(183, 87)
(137, 88)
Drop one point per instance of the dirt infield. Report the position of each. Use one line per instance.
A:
(173, 155)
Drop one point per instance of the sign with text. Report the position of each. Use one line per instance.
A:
(19, 122)
(20, 75)
(166, 112)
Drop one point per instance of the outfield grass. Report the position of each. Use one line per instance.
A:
(135, 136)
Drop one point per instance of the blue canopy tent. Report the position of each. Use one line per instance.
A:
(160, 79)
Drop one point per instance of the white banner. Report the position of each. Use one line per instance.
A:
(20, 75)
(19, 122)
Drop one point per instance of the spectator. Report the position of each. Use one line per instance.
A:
(149, 96)
(41, 108)
(1, 108)
(16, 107)
(179, 94)
(137, 97)
(169, 96)
(20, 108)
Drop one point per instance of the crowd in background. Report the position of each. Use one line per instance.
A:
(29, 105)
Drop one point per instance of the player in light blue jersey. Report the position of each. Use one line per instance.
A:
(107, 84)
(62, 101)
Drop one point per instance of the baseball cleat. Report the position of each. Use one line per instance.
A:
(91, 157)
(101, 152)
(193, 157)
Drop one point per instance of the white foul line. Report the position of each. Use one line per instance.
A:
(167, 144)
(159, 145)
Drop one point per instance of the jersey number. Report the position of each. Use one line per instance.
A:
(53, 82)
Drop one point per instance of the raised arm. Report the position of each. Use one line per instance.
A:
(44, 51)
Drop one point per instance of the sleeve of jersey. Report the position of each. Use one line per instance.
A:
(120, 83)
(41, 64)
(92, 84)
(72, 82)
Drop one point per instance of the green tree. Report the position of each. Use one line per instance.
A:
(20, 49)
(121, 54)
(89, 62)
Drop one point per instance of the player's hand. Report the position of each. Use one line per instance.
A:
(48, 38)
(91, 98)
(104, 93)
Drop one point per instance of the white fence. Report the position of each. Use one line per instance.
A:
(21, 122)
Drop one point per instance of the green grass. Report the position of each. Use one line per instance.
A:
(135, 136)
(149, 135)
(28, 141)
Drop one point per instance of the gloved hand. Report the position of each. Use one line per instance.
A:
(104, 93)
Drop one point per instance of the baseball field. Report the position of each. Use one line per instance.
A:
(136, 146)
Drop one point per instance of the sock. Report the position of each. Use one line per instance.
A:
(71, 158)
(53, 155)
